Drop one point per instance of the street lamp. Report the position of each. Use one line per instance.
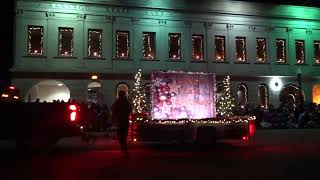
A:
(300, 89)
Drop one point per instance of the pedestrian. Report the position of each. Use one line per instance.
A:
(121, 110)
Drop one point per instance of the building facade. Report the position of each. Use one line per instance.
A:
(88, 50)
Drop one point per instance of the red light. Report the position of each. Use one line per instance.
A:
(252, 128)
(73, 116)
(245, 138)
(73, 107)
(12, 87)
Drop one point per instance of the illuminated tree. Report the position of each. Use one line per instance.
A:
(226, 103)
(138, 99)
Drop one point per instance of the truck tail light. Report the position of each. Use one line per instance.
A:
(252, 127)
(73, 110)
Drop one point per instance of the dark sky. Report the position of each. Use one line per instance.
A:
(312, 3)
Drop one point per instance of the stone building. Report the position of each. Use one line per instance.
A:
(88, 50)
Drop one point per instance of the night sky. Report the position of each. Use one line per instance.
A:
(312, 3)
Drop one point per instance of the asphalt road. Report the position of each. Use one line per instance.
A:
(272, 154)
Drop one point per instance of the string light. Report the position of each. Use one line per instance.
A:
(35, 45)
(281, 50)
(226, 103)
(263, 94)
(245, 89)
(241, 49)
(139, 102)
(95, 42)
(174, 46)
(148, 45)
(65, 41)
(122, 44)
(261, 50)
(220, 48)
(300, 51)
(197, 47)
(316, 46)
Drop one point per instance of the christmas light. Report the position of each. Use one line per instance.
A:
(241, 49)
(174, 43)
(94, 42)
(243, 88)
(261, 50)
(281, 50)
(263, 95)
(148, 45)
(122, 44)
(197, 47)
(35, 40)
(139, 103)
(226, 103)
(316, 46)
(65, 41)
(300, 56)
(220, 48)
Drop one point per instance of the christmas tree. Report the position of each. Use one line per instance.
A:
(226, 103)
(138, 99)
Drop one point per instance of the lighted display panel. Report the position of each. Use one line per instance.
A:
(281, 50)
(220, 48)
(35, 40)
(66, 41)
(178, 95)
(316, 46)
(240, 49)
(94, 42)
(300, 52)
(197, 47)
(149, 45)
(174, 42)
(122, 44)
(261, 50)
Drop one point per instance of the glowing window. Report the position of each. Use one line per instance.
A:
(94, 42)
(261, 50)
(240, 49)
(174, 42)
(300, 52)
(149, 45)
(35, 40)
(316, 94)
(197, 47)
(263, 96)
(122, 44)
(316, 46)
(65, 41)
(220, 48)
(281, 50)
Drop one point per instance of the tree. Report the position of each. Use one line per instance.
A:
(138, 99)
(226, 103)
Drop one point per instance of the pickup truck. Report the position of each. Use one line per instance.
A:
(37, 125)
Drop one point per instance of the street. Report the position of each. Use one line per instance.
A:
(272, 154)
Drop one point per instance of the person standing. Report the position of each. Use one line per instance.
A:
(121, 110)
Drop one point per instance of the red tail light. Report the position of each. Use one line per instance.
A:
(252, 128)
(73, 112)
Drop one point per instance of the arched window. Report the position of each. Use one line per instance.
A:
(219, 90)
(290, 95)
(242, 94)
(95, 95)
(316, 94)
(122, 87)
(263, 94)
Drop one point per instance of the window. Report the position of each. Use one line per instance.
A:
(242, 94)
(300, 57)
(316, 46)
(197, 47)
(261, 50)
(122, 44)
(174, 41)
(65, 41)
(263, 96)
(241, 49)
(35, 40)
(94, 42)
(281, 50)
(220, 48)
(149, 45)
